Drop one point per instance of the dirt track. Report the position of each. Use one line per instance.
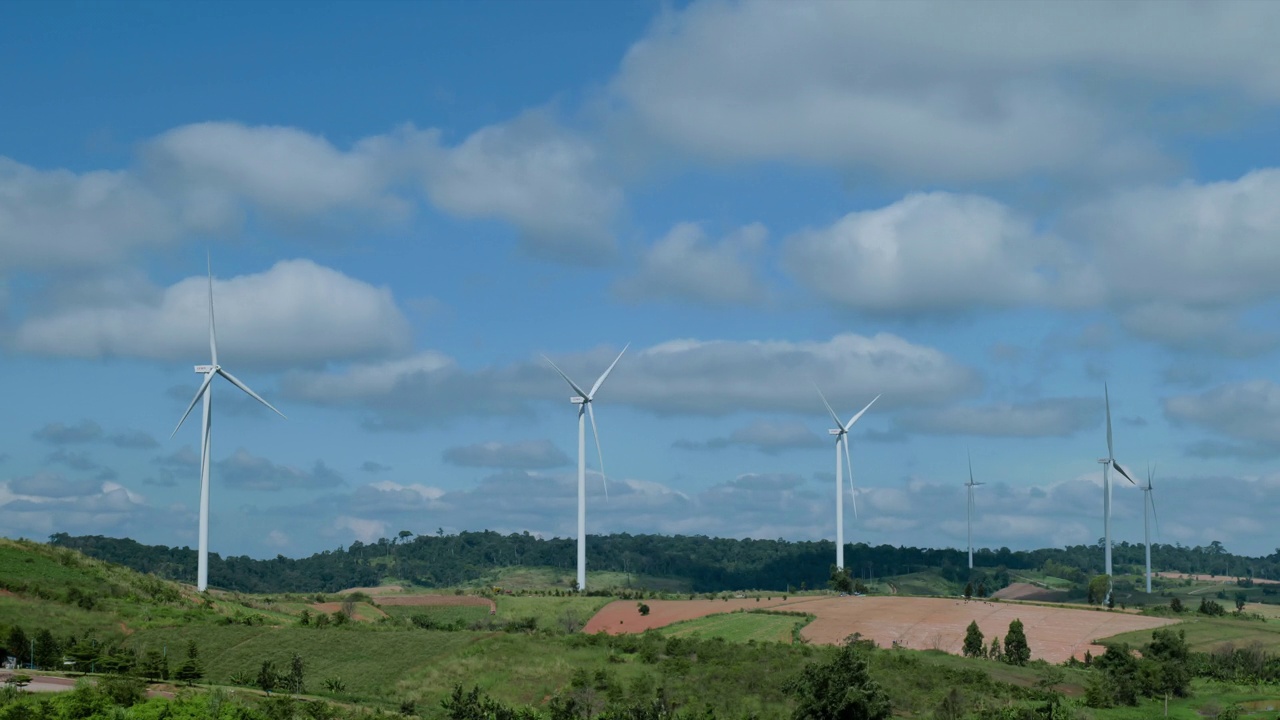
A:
(1054, 633)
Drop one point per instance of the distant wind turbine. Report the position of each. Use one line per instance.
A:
(1109, 462)
(206, 392)
(583, 400)
(841, 432)
(968, 511)
(1149, 499)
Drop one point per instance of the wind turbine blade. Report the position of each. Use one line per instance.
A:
(970, 466)
(591, 413)
(854, 419)
(208, 378)
(849, 464)
(581, 393)
(1122, 471)
(245, 388)
(600, 381)
(824, 402)
(1106, 394)
(213, 335)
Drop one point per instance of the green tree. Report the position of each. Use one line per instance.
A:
(994, 652)
(20, 645)
(968, 590)
(155, 666)
(295, 679)
(304, 617)
(1169, 653)
(1016, 650)
(48, 653)
(952, 706)
(839, 580)
(1176, 605)
(84, 653)
(973, 646)
(1098, 587)
(191, 668)
(268, 678)
(1241, 598)
(644, 609)
(840, 688)
(1120, 669)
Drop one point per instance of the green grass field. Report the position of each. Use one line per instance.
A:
(547, 578)
(1206, 633)
(465, 614)
(926, 583)
(550, 612)
(738, 627)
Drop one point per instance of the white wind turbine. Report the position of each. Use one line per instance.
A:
(1149, 499)
(968, 511)
(206, 392)
(841, 432)
(1109, 462)
(583, 400)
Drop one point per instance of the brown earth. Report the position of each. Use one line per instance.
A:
(1211, 578)
(437, 600)
(1054, 633)
(1027, 591)
(364, 611)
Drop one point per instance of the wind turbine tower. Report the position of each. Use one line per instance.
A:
(841, 433)
(210, 371)
(1109, 462)
(1149, 500)
(968, 511)
(583, 400)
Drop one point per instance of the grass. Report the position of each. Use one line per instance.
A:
(548, 578)
(926, 583)
(466, 614)
(738, 627)
(550, 612)
(1206, 633)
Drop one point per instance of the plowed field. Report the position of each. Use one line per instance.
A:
(1054, 634)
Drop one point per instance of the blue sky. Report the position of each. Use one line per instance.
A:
(982, 211)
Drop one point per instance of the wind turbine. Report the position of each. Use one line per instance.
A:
(1109, 462)
(841, 432)
(206, 392)
(583, 401)
(968, 511)
(1149, 499)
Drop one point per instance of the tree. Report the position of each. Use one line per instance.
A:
(968, 590)
(268, 678)
(155, 666)
(644, 609)
(191, 669)
(840, 581)
(973, 646)
(48, 653)
(1176, 605)
(295, 679)
(84, 653)
(952, 706)
(994, 652)
(19, 680)
(841, 688)
(1098, 588)
(1240, 601)
(1168, 649)
(20, 645)
(304, 617)
(1016, 650)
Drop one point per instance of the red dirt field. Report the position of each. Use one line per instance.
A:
(1027, 591)
(1211, 578)
(436, 600)
(1054, 633)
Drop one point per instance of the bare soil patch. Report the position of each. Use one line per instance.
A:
(453, 600)
(1027, 591)
(1054, 633)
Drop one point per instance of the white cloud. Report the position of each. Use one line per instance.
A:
(297, 312)
(937, 90)
(362, 529)
(935, 252)
(536, 175)
(696, 377)
(245, 471)
(685, 265)
(1247, 413)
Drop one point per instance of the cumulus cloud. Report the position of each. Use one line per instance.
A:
(536, 175)
(936, 91)
(770, 438)
(1246, 413)
(45, 503)
(295, 312)
(528, 455)
(696, 377)
(686, 265)
(1048, 417)
(248, 472)
(936, 252)
(53, 485)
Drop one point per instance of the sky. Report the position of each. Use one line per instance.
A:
(981, 212)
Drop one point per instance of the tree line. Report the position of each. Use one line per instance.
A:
(706, 564)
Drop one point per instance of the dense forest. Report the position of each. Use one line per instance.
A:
(704, 563)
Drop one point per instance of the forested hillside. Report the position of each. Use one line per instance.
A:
(707, 564)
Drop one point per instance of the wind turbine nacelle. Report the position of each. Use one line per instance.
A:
(577, 400)
(204, 369)
(833, 432)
